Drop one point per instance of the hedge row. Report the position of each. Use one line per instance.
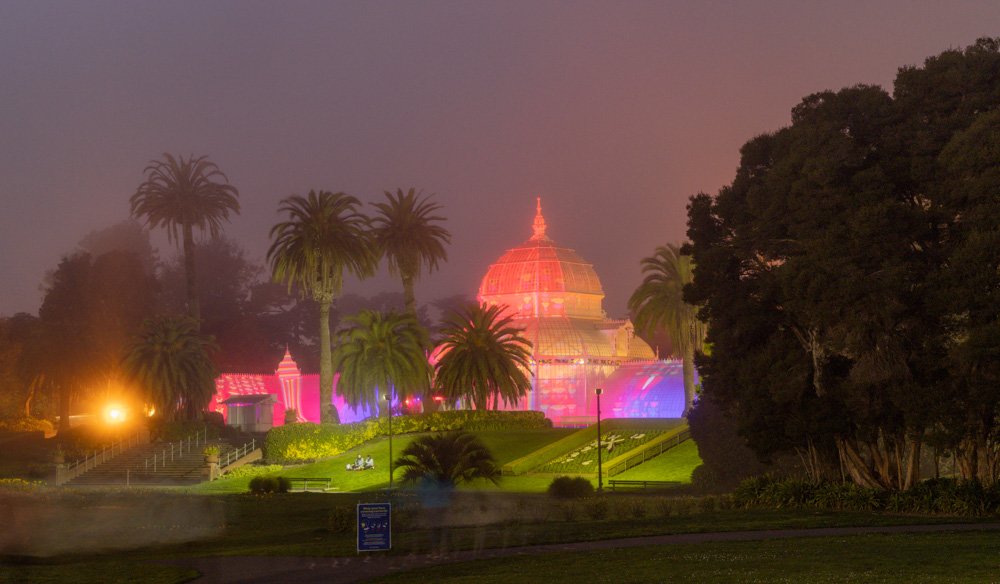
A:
(307, 441)
(945, 496)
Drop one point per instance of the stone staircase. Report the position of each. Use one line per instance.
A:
(136, 467)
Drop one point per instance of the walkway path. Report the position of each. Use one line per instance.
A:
(307, 570)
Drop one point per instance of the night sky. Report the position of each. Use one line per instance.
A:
(613, 112)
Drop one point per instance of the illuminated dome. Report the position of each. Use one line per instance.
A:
(556, 297)
(539, 279)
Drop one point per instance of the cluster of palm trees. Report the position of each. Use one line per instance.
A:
(324, 236)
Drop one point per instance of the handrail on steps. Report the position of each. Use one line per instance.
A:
(81, 466)
(234, 455)
(176, 449)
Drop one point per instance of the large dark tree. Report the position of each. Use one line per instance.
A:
(846, 277)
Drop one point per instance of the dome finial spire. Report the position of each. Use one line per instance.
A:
(539, 225)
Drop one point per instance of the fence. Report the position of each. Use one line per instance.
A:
(83, 465)
(651, 451)
(175, 449)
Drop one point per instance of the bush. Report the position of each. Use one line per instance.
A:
(269, 484)
(303, 442)
(964, 498)
(571, 488)
(24, 424)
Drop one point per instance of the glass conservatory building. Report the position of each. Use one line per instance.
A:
(556, 296)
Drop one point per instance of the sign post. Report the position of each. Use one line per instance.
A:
(374, 527)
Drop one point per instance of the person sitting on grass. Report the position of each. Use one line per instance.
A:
(359, 463)
(369, 463)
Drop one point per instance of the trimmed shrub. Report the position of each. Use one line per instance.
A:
(263, 485)
(570, 488)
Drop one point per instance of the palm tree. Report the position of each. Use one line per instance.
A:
(180, 194)
(381, 352)
(448, 459)
(658, 305)
(172, 362)
(324, 235)
(406, 232)
(483, 355)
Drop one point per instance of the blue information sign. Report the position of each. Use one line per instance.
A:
(374, 527)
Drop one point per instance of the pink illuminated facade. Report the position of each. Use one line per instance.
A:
(557, 298)
(291, 389)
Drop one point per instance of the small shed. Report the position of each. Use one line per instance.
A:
(250, 413)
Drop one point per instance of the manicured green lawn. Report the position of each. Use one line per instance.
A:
(506, 445)
(676, 464)
(925, 558)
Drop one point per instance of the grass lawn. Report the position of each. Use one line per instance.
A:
(506, 445)
(676, 464)
(943, 557)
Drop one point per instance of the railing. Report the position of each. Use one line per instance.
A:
(652, 451)
(234, 455)
(175, 449)
(83, 465)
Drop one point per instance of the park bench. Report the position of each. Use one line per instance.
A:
(309, 483)
(625, 484)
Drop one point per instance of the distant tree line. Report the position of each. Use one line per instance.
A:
(850, 277)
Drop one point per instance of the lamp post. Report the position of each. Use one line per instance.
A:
(388, 401)
(600, 484)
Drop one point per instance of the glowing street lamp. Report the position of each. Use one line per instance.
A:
(600, 484)
(388, 401)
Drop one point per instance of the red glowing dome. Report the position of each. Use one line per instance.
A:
(539, 279)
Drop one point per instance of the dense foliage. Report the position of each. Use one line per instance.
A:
(447, 459)
(381, 354)
(171, 361)
(944, 496)
(298, 442)
(850, 281)
(263, 485)
(570, 488)
(484, 357)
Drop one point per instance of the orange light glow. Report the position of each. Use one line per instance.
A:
(114, 414)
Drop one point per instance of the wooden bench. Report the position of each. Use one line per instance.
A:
(616, 483)
(307, 483)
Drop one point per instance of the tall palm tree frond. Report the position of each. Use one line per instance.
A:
(407, 233)
(323, 236)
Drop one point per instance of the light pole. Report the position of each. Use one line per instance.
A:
(600, 484)
(388, 401)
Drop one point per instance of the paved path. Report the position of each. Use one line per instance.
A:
(307, 570)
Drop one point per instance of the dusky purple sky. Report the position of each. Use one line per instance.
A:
(613, 112)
